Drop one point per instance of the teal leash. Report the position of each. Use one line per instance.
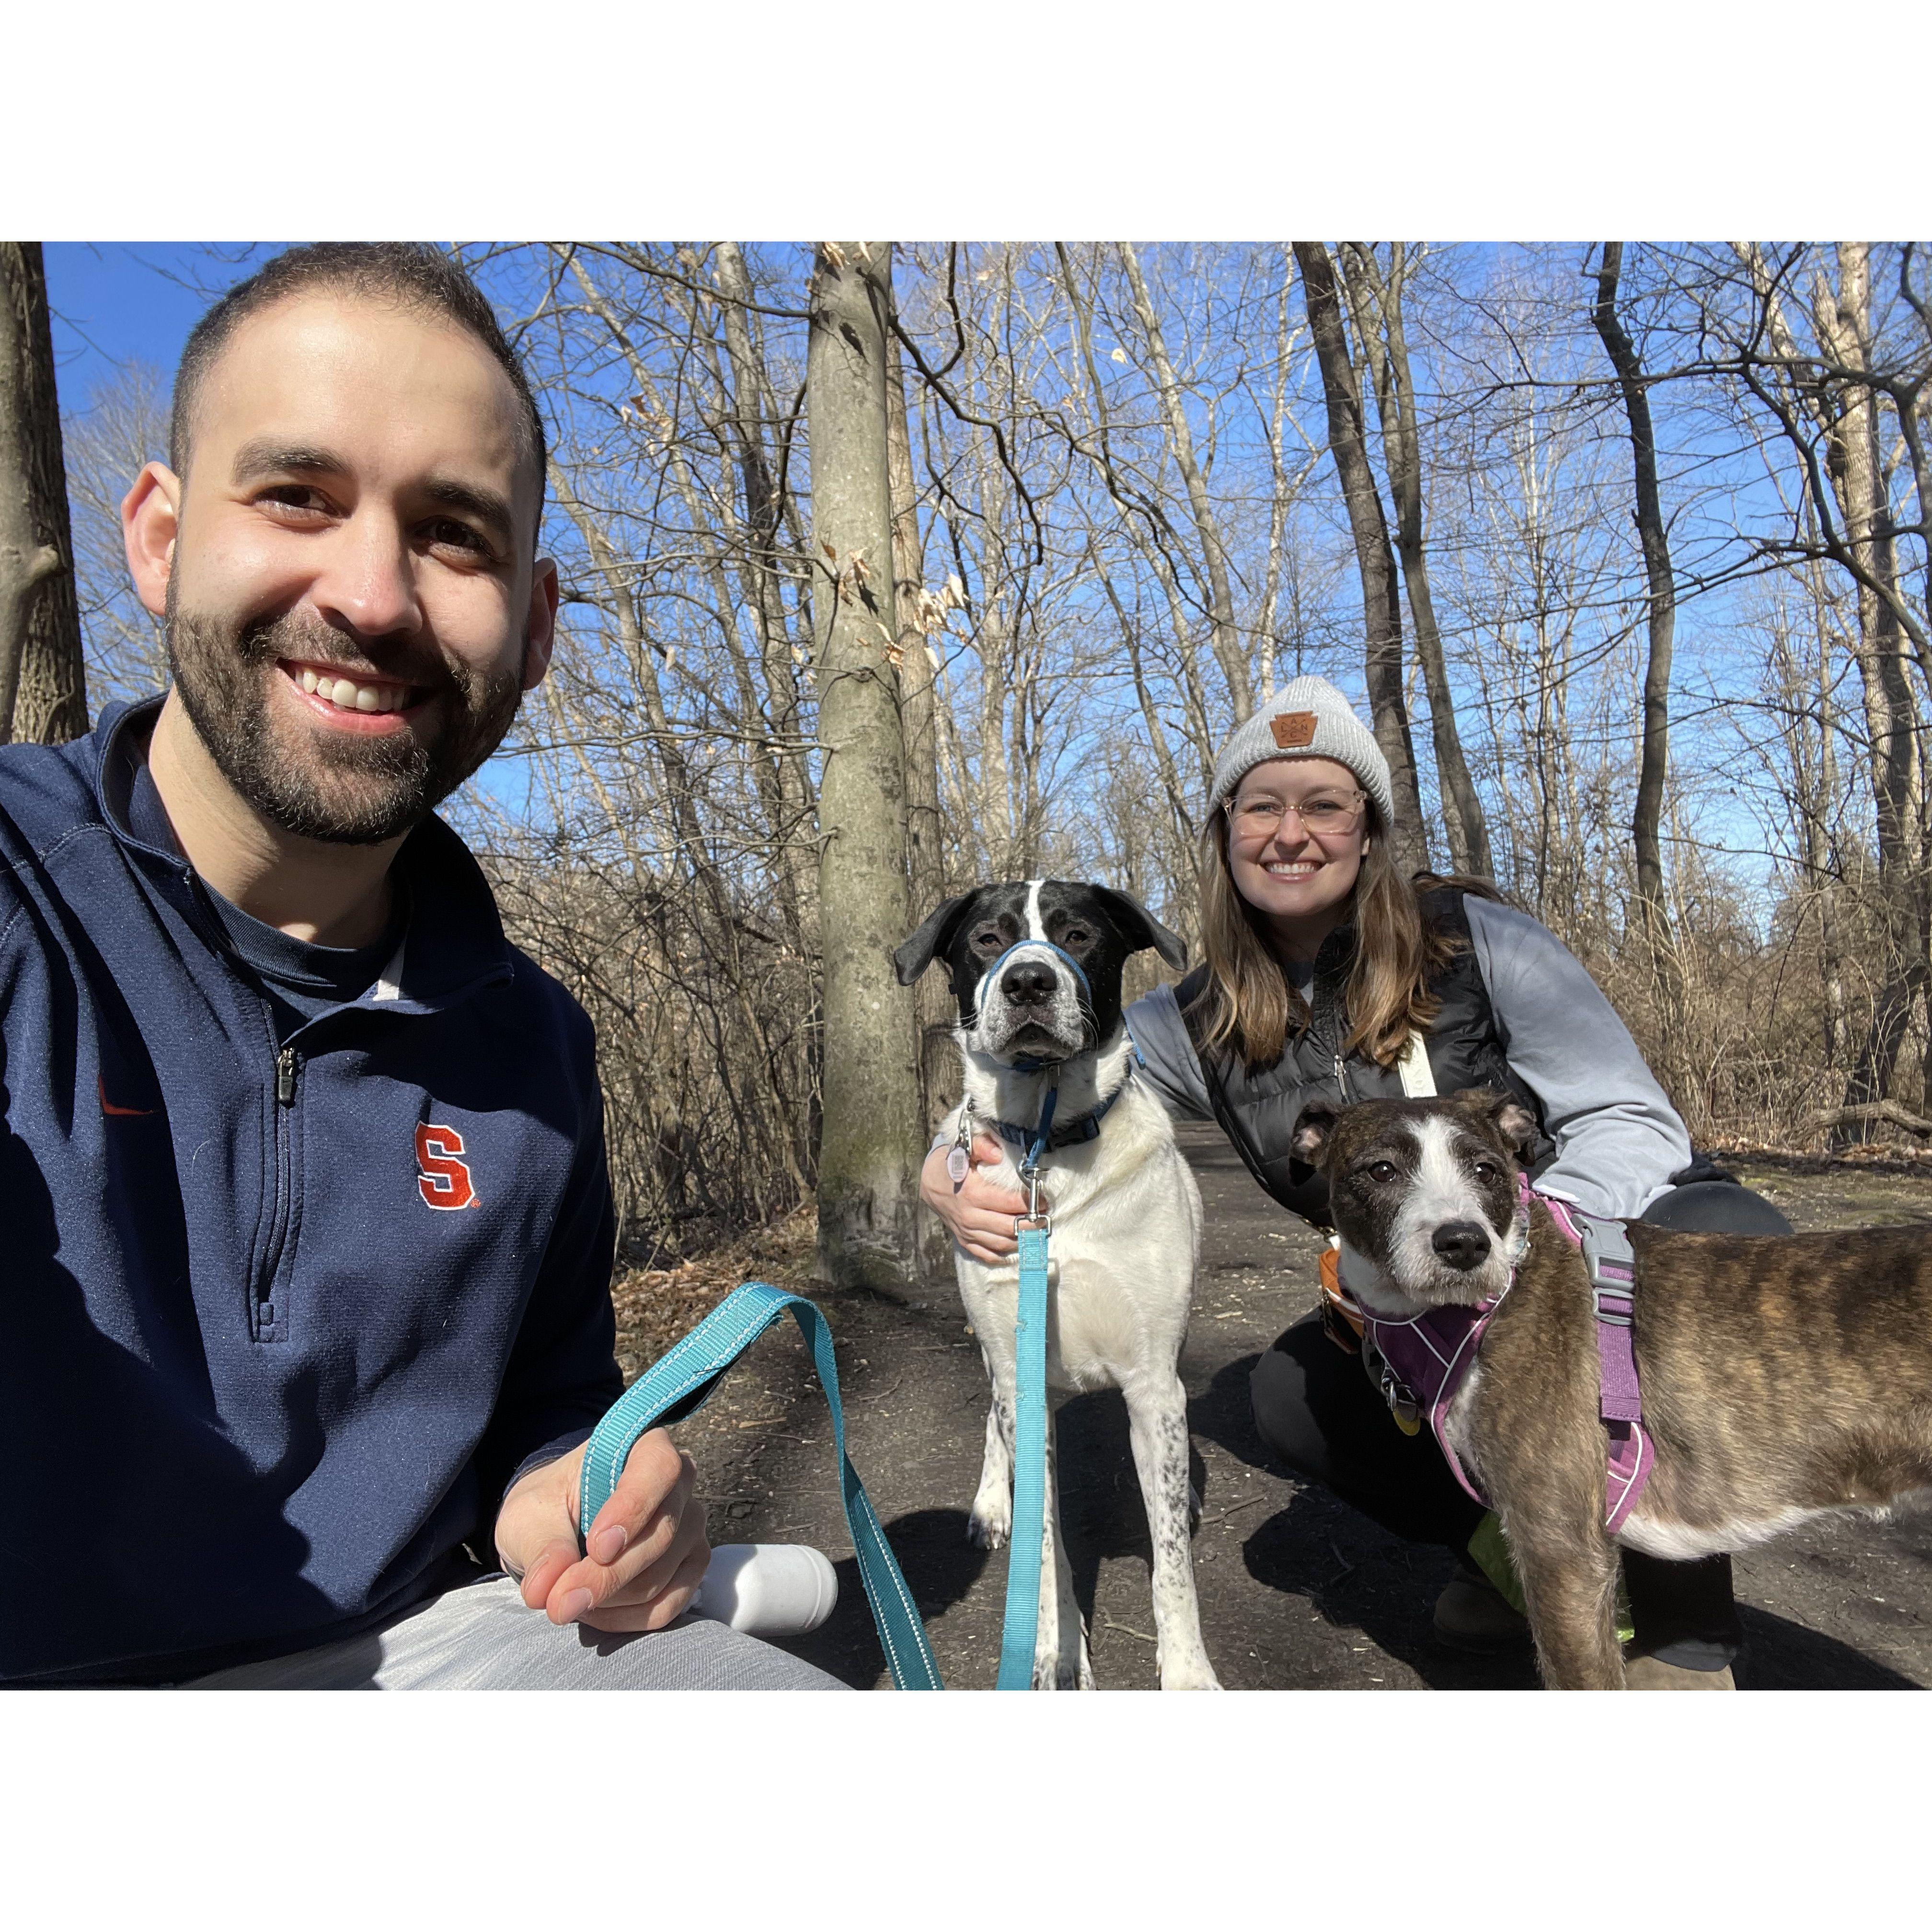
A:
(680, 1383)
(1022, 1629)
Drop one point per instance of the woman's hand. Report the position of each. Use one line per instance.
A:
(978, 1213)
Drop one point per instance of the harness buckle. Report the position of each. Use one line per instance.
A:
(1622, 1315)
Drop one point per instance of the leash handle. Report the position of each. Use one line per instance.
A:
(1022, 1627)
(682, 1381)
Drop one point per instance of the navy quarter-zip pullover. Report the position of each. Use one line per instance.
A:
(287, 1298)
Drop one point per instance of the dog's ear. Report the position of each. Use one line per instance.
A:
(1507, 1114)
(911, 959)
(1139, 927)
(1312, 1126)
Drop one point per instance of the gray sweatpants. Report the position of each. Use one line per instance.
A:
(482, 1637)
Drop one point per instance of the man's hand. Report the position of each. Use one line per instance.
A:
(647, 1547)
(978, 1213)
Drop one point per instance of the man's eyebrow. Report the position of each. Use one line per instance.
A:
(486, 506)
(265, 456)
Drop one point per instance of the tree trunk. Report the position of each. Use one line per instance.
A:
(933, 1011)
(872, 1140)
(1647, 815)
(42, 684)
(1855, 466)
(1375, 561)
(1402, 457)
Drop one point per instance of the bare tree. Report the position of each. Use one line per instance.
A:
(1227, 647)
(1375, 561)
(42, 686)
(1647, 812)
(873, 1135)
(1376, 303)
(121, 426)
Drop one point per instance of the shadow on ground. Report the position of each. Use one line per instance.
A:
(940, 1567)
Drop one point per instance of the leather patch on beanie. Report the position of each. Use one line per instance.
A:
(1293, 729)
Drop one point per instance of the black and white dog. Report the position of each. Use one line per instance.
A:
(1036, 967)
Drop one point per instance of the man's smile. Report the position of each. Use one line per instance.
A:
(361, 702)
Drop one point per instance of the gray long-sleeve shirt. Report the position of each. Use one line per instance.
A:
(1618, 1140)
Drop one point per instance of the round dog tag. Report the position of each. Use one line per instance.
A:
(957, 1164)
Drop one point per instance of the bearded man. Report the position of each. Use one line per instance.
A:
(308, 1226)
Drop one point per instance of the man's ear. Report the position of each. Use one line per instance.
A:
(1139, 927)
(917, 953)
(540, 637)
(1312, 1126)
(150, 525)
(1510, 1117)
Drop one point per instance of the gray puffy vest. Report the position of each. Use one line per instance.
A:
(1258, 1108)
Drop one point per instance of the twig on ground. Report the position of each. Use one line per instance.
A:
(1222, 1516)
(1128, 1630)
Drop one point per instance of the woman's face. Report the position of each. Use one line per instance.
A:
(1298, 877)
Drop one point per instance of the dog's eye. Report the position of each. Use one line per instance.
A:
(1381, 1170)
(1074, 936)
(988, 939)
(1484, 1171)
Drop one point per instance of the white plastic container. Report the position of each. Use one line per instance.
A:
(768, 1589)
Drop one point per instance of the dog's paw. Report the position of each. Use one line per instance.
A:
(1198, 1675)
(1057, 1673)
(986, 1530)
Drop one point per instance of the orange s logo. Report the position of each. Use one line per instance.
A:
(444, 1180)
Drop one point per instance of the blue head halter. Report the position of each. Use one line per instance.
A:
(992, 972)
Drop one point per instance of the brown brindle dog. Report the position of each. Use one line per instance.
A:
(1782, 1375)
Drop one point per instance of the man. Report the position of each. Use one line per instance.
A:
(308, 1227)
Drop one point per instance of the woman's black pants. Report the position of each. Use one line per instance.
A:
(1319, 1412)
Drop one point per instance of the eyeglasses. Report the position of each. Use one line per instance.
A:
(1322, 813)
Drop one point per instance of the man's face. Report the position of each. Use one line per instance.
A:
(353, 609)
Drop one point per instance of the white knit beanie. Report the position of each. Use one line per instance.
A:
(1308, 717)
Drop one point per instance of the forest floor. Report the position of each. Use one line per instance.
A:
(1297, 1591)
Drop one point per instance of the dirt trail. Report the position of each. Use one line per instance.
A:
(1297, 1591)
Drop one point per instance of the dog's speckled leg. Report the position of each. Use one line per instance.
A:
(1055, 1667)
(991, 1521)
(1157, 1419)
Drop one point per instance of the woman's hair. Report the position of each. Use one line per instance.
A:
(1247, 1006)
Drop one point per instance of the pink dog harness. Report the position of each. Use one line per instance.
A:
(1425, 1358)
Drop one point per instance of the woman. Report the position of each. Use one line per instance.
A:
(1321, 960)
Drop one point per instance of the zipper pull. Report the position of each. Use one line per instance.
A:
(285, 1077)
(1341, 1076)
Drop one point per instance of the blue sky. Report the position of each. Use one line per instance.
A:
(115, 303)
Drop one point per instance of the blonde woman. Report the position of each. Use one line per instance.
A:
(1321, 959)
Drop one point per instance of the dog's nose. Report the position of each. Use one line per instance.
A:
(1028, 982)
(1463, 1244)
